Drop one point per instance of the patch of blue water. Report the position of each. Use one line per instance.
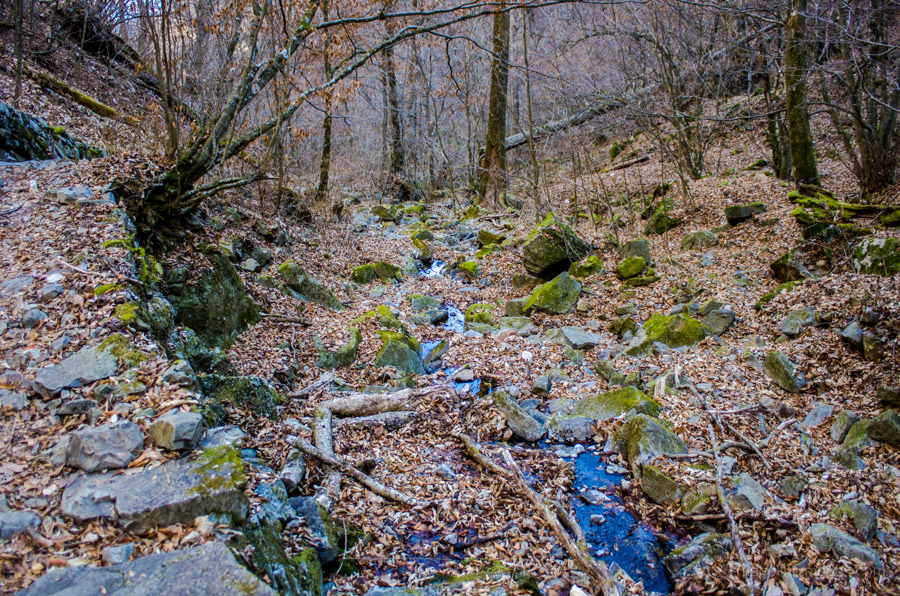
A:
(434, 271)
(456, 319)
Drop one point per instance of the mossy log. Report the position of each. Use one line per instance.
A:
(81, 98)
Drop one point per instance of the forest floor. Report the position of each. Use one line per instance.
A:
(45, 242)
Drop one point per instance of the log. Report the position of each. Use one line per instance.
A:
(389, 420)
(625, 164)
(323, 436)
(595, 569)
(368, 404)
(473, 451)
(81, 98)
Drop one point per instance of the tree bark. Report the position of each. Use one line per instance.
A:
(492, 178)
(394, 130)
(325, 165)
(20, 50)
(803, 159)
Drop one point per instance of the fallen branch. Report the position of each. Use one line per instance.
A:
(323, 381)
(479, 540)
(571, 524)
(781, 522)
(475, 454)
(81, 98)
(324, 438)
(367, 404)
(364, 479)
(389, 420)
(595, 569)
(285, 319)
(625, 164)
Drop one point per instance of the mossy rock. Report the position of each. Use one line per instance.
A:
(697, 554)
(363, 274)
(385, 213)
(479, 313)
(779, 289)
(344, 356)
(385, 336)
(304, 287)
(487, 250)
(615, 403)
(106, 288)
(121, 347)
(586, 268)
(414, 210)
(879, 256)
(385, 270)
(780, 369)
(216, 305)
(659, 486)
(661, 221)
(424, 235)
(401, 356)
(736, 214)
(643, 438)
(637, 247)
(623, 324)
(252, 393)
(423, 251)
(789, 267)
(523, 281)
(488, 237)
(552, 247)
(637, 282)
(420, 302)
(630, 267)
(133, 315)
(674, 331)
(469, 268)
(557, 296)
(699, 240)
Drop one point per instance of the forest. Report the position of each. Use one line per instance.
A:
(426, 297)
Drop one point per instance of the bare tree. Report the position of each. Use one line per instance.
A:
(803, 158)
(492, 178)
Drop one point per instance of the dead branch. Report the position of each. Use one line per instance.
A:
(474, 452)
(389, 420)
(326, 378)
(324, 438)
(571, 524)
(595, 569)
(625, 164)
(277, 318)
(364, 479)
(367, 404)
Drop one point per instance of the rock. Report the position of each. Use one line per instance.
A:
(210, 568)
(321, 529)
(793, 485)
(542, 386)
(797, 320)
(51, 291)
(781, 370)
(885, 428)
(630, 267)
(697, 554)
(106, 447)
(179, 373)
(872, 347)
(788, 267)
(433, 357)
(419, 302)
(514, 308)
(479, 314)
(586, 268)
(879, 256)
(735, 214)
(853, 335)
(252, 393)
(16, 522)
(304, 287)
(551, 248)
(557, 296)
(386, 213)
(177, 430)
(673, 331)
(264, 231)
(643, 438)
(571, 429)
(468, 268)
(520, 422)
(116, 555)
(33, 317)
(363, 274)
(216, 306)
(888, 395)
(344, 356)
(223, 436)
(863, 516)
(523, 325)
(842, 424)
(660, 487)
(748, 494)
(638, 247)
(386, 271)
(818, 415)
(574, 337)
(661, 221)
(615, 403)
(174, 493)
(826, 538)
(711, 305)
(249, 265)
(488, 237)
(857, 439)
(293, 473)
(70, 195)
(719, 320)
(76, 407)
(12, 401)
(699, 239)
(401, 356)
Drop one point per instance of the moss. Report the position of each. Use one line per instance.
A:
(557, 296)
(386, 336)
(636, 282)
(779, 289)
(487, 250)
(471, 213)
(586, 268)
(470, 268)
(253, 393)
(386, 270)
(221, 468)
(479, 313)
(674, 331)
(614, 403)
(121, 347)
(363, 274)
(105, 289)
(308, 560)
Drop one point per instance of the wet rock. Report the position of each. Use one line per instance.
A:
(16, 522)
(557, 296)
(788, 267)
(885, 428)
(863, 516)
(630, 267)
(106, 447)
(797, 320)
(177, 430)
(116, 555)
(519, 421)
(13, 401)
(879, 256)
(210, 568)
(659, 486)
(643, 438)
(699, 239)
(542, 386)
(826, 538)
(719, 320)
(304, 287)
(842, 424)
(574, 337)
(320, 526)
(781, 370)
(735, 214)
(697, 554)
(818, 415)
(552, 247)
(174, 493)
(216, 306)
(673, 331)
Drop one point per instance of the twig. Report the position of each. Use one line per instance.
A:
(364, 479)
(595, 569)
(79, 270)
(473, 451)
(285, 319)
(326, 378)
(774, 434)
(740, 410)
(480, 539)
(726, 509)
(747, 440)
(13, 210)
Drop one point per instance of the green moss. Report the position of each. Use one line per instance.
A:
(479, 313)
(252, 393)
(386, 336)
(132, 315)
(674, 331)
(614, 403)
(105, 289)
(470, 268)
(121, 347)
(487, 250)
(586, 268)
(363, 274)
(471, 213)
(636, 282)
(779, 289)
(345, 355)
(557, 296)
(222, 468)
(308, 560)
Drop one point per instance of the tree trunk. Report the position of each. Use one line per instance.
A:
(20, 49)
(396, 158)
(492, 179)
(325, 165)
(803, 158)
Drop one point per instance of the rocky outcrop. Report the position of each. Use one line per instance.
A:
(24, 137)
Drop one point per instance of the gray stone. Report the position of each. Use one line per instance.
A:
(797, 320)
(826, 538)
(51, 291)
(71, 194)
(853, 334)
(13, 401)
(76, 407)
(116, 555)
(885, 428)
(223, 436)
(179, 373)
(293, 473)
(85, 367)
(574, 337)
(639, 247)
(106, 447)
(818, 415)
(16, 284)
(642, 438)
(736, 214)
(719, 320)
(542, 386)
(889, 395)
(571, 429)
(174, 493)
(748, 494)
(32, 317)
(519, 421)
(16, 522)
(863, 516)
(781, 370)
(697, 554)
(320, 527)
(522, 325)
(793, 485)
(249, 265)
(399, 355)
(210, 568)
(177, 430)
(842, 424)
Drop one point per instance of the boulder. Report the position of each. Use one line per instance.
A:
(699, 240)
(344, 356)
(615, 403)
(719, 320)
(552, 247)
(215, 306)
(735, 214)
(818, 415)
(321, 529)
(386, 271)
(643, 438)
(863, 516)
(80, 369)
(401, 356)
(175, 493)
(788, 267)
(662, 221)
(557, 296)
(673, 331)
(363, 274)
(177, 430)
(630, 267)
(571, 429)
(419, 302)
(27, 137)
(574, 337)
(780, 369)
(16, 522)
(542, 386)
(797, 320)
(210, 568)
(659, 486)
(885, 428)
(879, 256)
(251, 393)
(697, 554)
(827, 538)
(637, 247)
(106, 447)
(586, 268)
(304, 287)
(519, 421)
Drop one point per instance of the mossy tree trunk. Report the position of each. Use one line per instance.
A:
(492, 178)
(803, 159)
(393, 128)
(325, 163)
